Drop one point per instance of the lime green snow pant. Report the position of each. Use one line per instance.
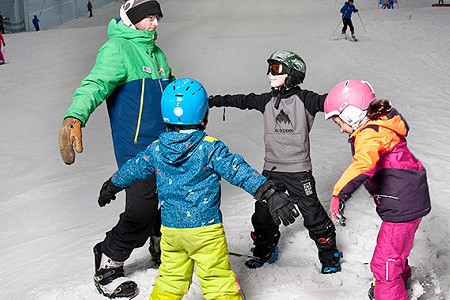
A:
(207, 249)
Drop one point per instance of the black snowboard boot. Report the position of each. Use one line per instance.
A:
(110, 277)
(330, 261)
(265, 250)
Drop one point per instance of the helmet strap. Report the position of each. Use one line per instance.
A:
(277, 102)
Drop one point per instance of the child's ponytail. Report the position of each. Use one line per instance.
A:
(378, 108)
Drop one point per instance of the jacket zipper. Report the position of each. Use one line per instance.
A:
(155, 64)
(141, 105)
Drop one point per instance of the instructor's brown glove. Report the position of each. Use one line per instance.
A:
(69, 137)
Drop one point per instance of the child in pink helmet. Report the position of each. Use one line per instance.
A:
(390, 172)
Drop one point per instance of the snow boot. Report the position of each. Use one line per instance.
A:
(330, 261)
(265, 250)
(371, 292)
(110, 277)
(155, 249)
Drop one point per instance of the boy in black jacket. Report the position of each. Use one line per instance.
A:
(288, 117)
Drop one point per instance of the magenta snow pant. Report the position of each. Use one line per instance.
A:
(389, 263)
(2, 58)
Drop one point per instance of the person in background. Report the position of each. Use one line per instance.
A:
(346, 12)
(130, 73)
(289, 113)
(395, 178)
(189, 165)
(89, 7)
(2, 42)
(391, 4)
(36, 23)
(2, 28)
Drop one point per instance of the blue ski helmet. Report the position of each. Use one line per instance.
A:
(184, 102)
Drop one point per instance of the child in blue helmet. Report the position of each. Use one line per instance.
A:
(188, 165)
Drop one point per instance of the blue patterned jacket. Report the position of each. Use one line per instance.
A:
(188, 168)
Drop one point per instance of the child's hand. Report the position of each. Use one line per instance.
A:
(108, 193)
(337, 211)
(280, 206)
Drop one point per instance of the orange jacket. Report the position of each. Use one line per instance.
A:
(390, 172)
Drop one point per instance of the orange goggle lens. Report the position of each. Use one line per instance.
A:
(275, 69)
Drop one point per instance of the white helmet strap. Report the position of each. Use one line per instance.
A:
(124, 17)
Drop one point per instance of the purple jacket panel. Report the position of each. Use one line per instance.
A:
(399, 186)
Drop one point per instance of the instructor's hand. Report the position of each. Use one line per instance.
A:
(70, 137)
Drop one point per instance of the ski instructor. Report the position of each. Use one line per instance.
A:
(130, 73)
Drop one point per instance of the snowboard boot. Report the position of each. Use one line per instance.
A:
(265, 250)
(330, 261)
(371, 292)
(329, 255)
(110, 277)
(155, 249)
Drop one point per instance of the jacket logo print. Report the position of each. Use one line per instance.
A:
(146, 69)
(307, 188)
(283, 123)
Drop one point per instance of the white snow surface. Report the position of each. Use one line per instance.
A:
(49, 215)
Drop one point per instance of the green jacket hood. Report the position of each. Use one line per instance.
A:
(146, 38)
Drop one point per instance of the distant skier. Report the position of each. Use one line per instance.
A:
(346, 12)
(2, 42)
(36, 23)
(189, 165)
(394, 177)
(89, 7)
(2, 28)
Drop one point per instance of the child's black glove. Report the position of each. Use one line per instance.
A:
(356, 10)
(280, 207)
(108, 193)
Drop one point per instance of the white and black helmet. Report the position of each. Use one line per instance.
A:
(133, 11)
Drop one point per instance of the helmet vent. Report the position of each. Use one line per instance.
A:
(179, 95)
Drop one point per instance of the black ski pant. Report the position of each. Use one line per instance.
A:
(348, 22)
(301, 187)
(137, 223)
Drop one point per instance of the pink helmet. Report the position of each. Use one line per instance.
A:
(353, 96)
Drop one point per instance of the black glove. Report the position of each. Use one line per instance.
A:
(280, 207)
(356, 10)
(108, 193)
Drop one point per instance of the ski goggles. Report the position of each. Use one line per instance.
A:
(276, 69)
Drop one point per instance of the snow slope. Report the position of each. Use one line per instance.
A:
(49, 215)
